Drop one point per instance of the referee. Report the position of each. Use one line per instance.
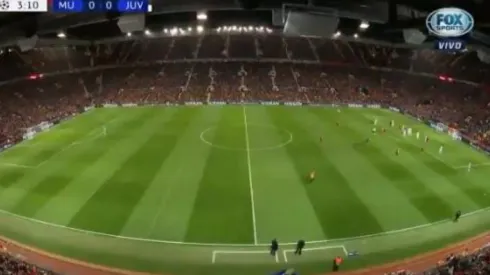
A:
(274, 247)
(299, 247)
(457, 215)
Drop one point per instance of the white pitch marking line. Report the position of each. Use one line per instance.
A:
(345, 250)
(277, 257)
(247, 144)
(285, 254)
(74, 143)
(473, 165)
(94, 233)
(16, 165)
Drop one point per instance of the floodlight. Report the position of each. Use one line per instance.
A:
(202, 16)
(364, 25)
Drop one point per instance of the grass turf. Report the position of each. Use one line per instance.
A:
(189, 174)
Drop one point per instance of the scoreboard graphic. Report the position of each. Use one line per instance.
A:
(78, 6)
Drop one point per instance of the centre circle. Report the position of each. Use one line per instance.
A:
(253, 137)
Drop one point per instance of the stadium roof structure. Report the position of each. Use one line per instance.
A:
(387, 19)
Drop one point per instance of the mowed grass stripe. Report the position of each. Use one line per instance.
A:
(166, 207)
(23, 182)
(222, 209)
(332, 197)
(65, 170)
(458, 178)
(456, 152)
(420, 195)
(116, 148)
(372, 187)
(278, 188)
(439, 181)
(39, 154)
(24, 152)
(122, 192)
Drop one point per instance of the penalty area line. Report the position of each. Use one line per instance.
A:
(62, 149)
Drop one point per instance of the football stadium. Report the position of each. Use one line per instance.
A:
(212, 148)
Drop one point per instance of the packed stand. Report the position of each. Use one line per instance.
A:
(12, 265)
(467, 263)
(167, 74)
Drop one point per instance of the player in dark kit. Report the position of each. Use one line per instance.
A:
(274, 247)
(457, 216)
(299, 247)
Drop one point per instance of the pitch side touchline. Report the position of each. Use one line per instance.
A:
(252, 201)
(94, 233)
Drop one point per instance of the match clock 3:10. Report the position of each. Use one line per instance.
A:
(27, 6)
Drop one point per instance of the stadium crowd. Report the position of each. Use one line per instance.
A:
(57, 82)
(304, 70)
(12, 265)
(466, 263)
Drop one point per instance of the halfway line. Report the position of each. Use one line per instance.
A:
(247, 146)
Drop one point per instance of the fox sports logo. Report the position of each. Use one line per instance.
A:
(450, 22)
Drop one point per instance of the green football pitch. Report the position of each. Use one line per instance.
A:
(204, 189)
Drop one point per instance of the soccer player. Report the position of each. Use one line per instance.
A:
(383, 130)
(321, 139)
(397, 151)
(441, 149)
(312, 175)
(336, 263)
(373, 130)
(392, 123)
(417, 135)
(274, 247)
(426, 139)
(409, 131)
(457, 215)
(299, 247)
(375, 122)
(469, 166)
(104, 131)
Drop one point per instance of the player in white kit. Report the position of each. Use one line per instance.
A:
(469, 166)
(392, 123)
(417, 135)
(409, 131)
(441, 149)
(375, 122)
